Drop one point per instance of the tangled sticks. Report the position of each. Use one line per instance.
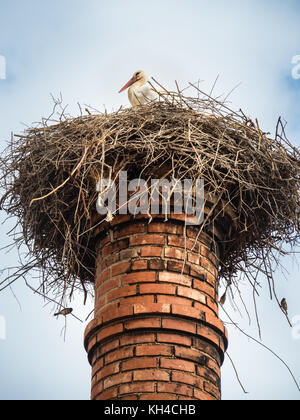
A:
(49, 175)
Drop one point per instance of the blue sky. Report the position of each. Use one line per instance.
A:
(87, 50)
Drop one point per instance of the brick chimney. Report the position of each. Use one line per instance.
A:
(156, 334)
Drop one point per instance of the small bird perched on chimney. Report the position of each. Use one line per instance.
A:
(284, 306)
(64, 312)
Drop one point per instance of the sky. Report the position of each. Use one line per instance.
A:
(86, 50)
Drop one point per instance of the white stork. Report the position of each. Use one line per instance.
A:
(140, 91)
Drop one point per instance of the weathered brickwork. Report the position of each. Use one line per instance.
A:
(156, 333)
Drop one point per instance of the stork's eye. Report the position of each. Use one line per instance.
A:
(137, 74)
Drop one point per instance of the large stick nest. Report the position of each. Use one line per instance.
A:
(50, 173)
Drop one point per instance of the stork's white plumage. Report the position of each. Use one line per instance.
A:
(140, 91)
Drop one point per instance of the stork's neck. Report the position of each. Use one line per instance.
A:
(138, 83)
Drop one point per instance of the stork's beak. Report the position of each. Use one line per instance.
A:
(131, 81)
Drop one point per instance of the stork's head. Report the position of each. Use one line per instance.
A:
(139, 77)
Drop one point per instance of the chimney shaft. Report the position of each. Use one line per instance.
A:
(156, 334)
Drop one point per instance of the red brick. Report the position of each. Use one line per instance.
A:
(152, 308)
(100, 303)
(211, 303)
(143, 323)
(178, 365)
(103, 263)
(109, 346)
(207, 348)
(193, 232)
(179, 267)
(139, 277)
(151, 251)
(96, 390)
(104, 276)
(191, 294)
(193, 258)
(213, 320)
(92, 343)
(137, 299)
(174, 338)
(188, 312)
(162, 289)
(212, 389)
(157, 265)
(208, 334)
(111, 259)
(175, 388)
(187, 353)
(94, 358)
(154, 350)
(198, 272)
(121, 292)
(129, 397)
(120, 268)
(211, 279)
(205, 251)
(183, 243)
(97, 366)
(151, 375)
(100, 308)
(205, 288)
(140, 363)
(208, 374)
(165, 228)
(137, 338)
(212, 365)
(89, 328)
(175, 253)
(139, 265)
(109, 331)
(210, 256)
(129, 254)
(158, 397)
(175, 278)
(137, 387)
(115, 247)
(108, 285)
(108, 395)
(203, 396)
(182, 217)
(108, 371)
(121, 312)
(209, 266)
(147, 240)
(120, 354)
(174, 300)
(176, 324)
(121, 378)
(187, 378)
(129, 230)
